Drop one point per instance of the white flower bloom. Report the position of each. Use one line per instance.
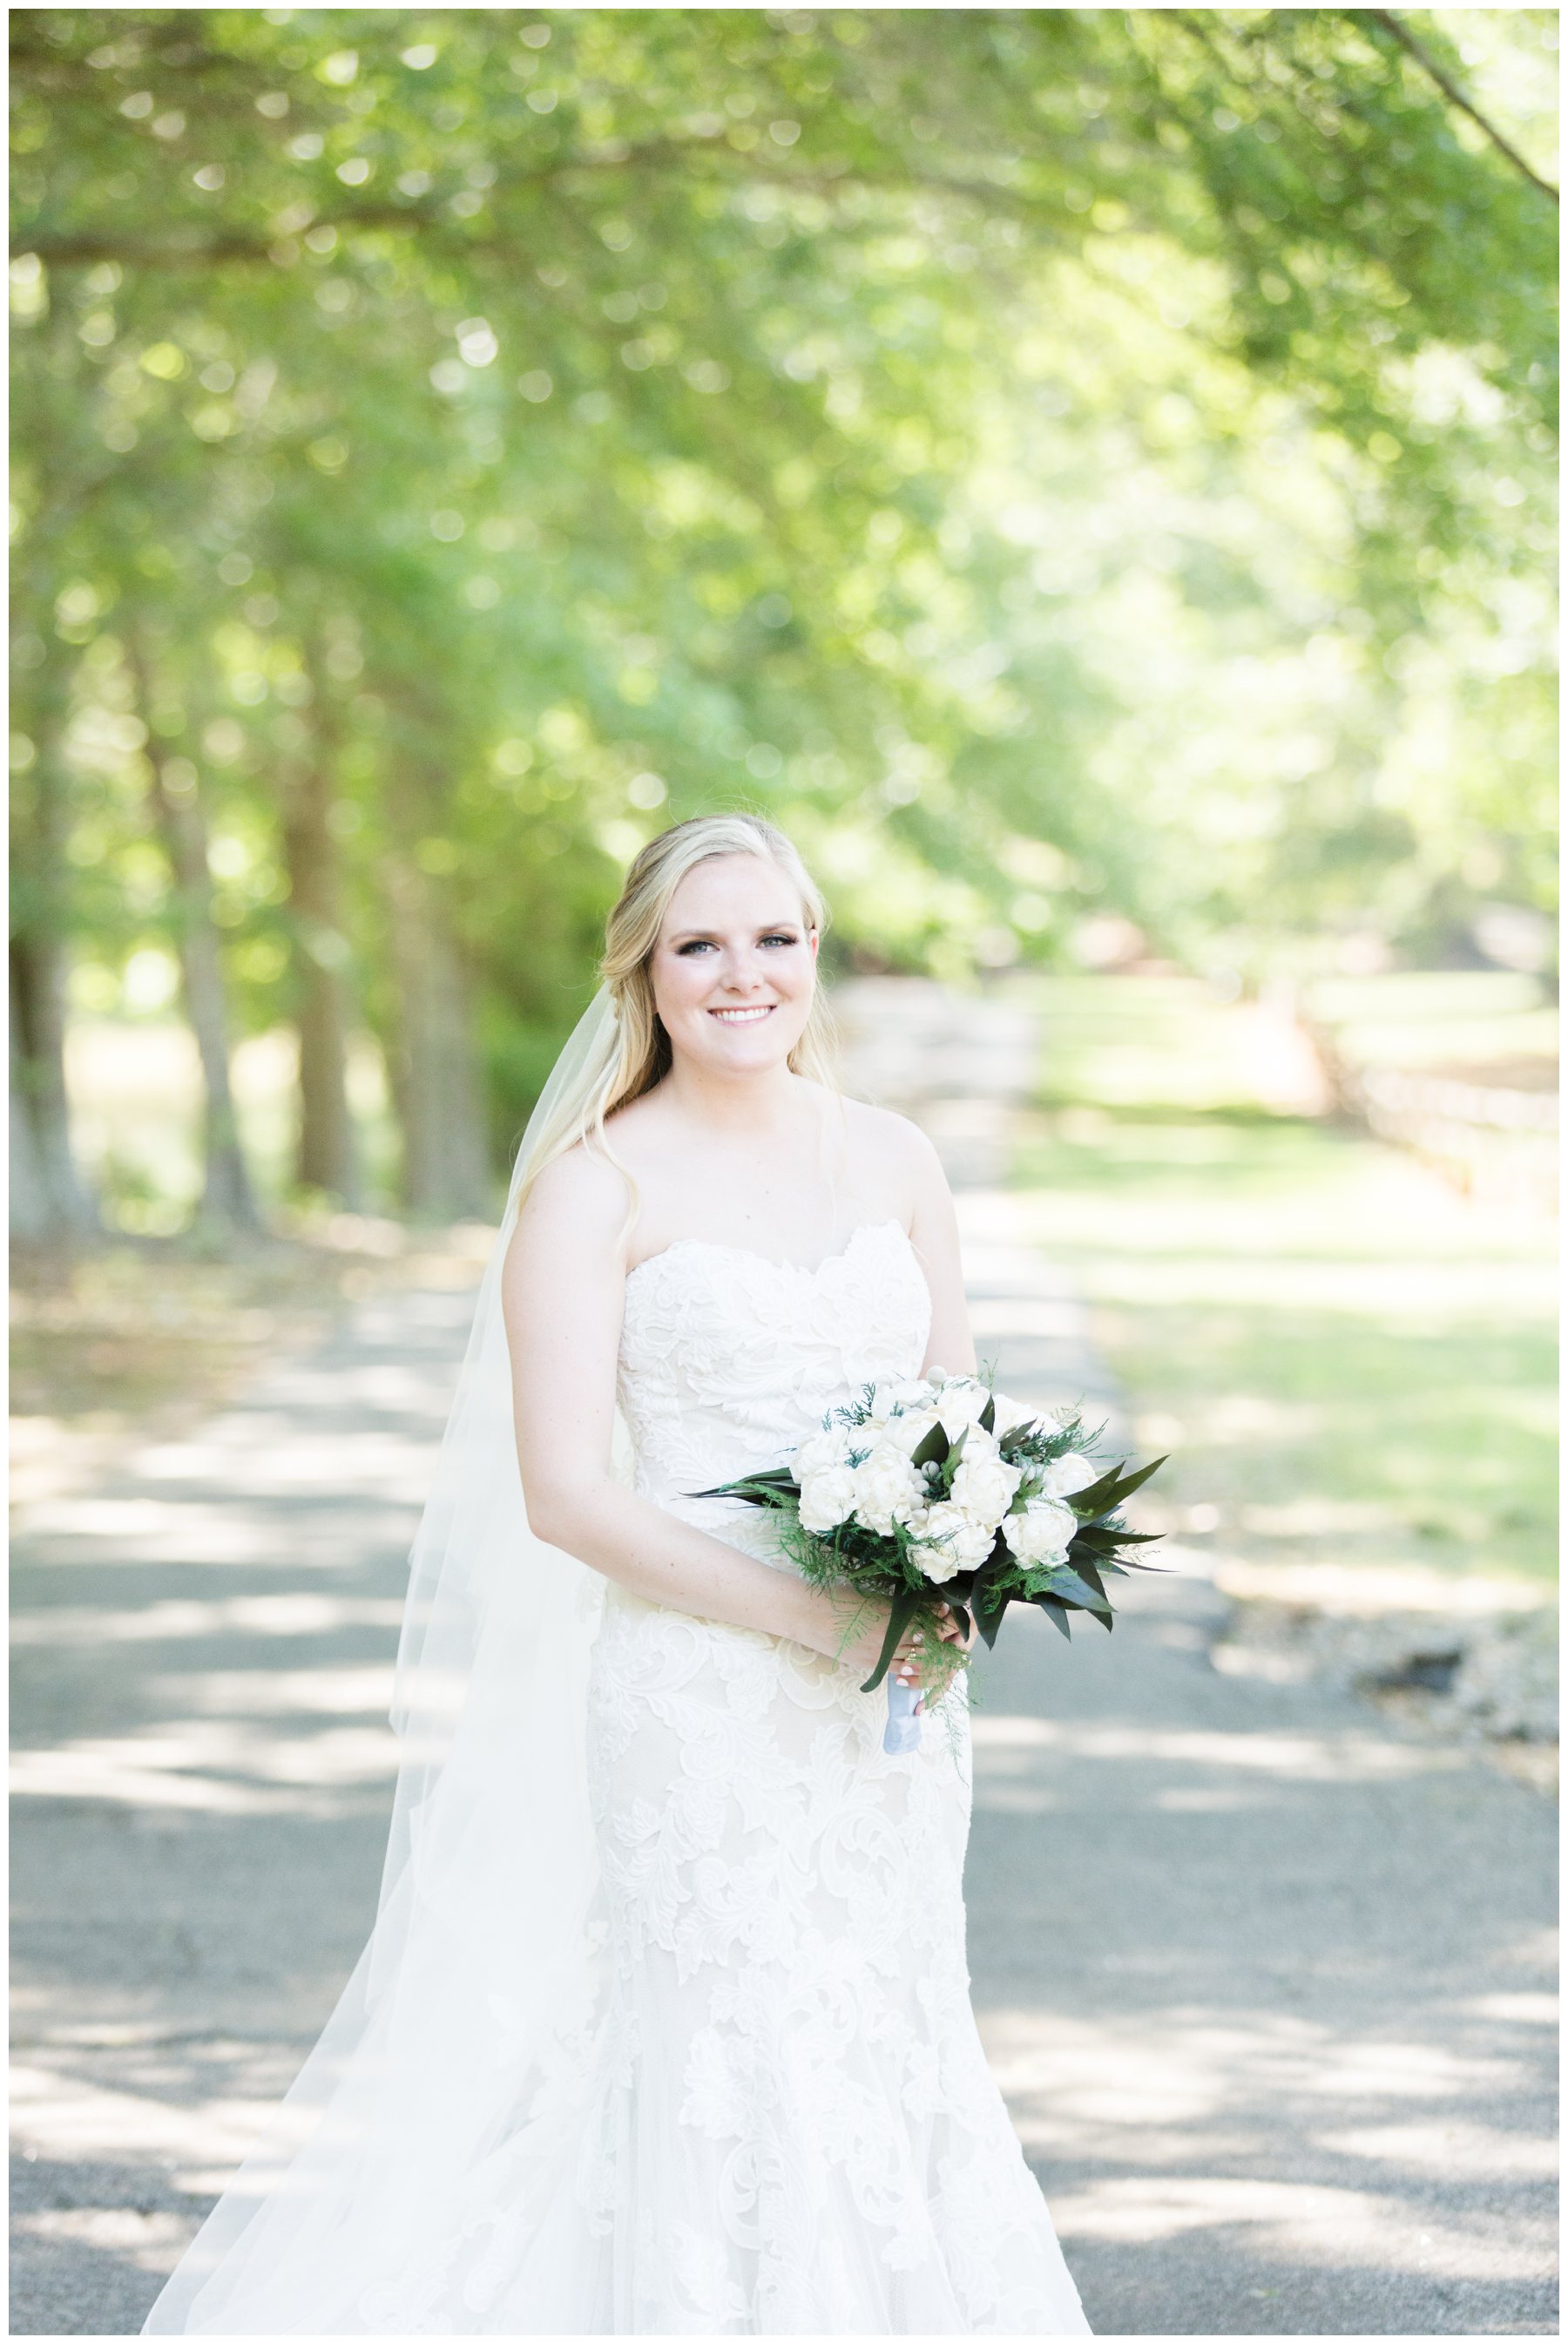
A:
(936, 1563)
(909, 1428)
(886, 1489)
(1042, 1531)
(950, 1541)
(984, 1484)
(1069, 1473)
(1012, 1415)
(961, 1402)
(894, 1395)
(827, 1497)
(820, 1451)
(919, 1392)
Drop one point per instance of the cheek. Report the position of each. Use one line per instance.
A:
(676, 982)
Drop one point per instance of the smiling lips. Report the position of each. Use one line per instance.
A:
(743, 1017)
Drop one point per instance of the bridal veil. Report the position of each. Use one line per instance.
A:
(483, 1956)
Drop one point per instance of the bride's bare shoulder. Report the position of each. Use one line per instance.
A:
(894, 1142)
(578, 1194)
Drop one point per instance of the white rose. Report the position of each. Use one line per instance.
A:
(936, 1563)
(830, 1446)
(984, 1484)
(919, 1392)
(820, 1451)
(889, 1399)
(886, 1489)
(961, 1402)
(950, 1541)
(827, 1497)
(910, 1427)
(1042, 1531)
(1012, 1415)
(1073, 1471)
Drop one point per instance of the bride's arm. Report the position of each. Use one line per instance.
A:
(563, 1287)
(934, 1234)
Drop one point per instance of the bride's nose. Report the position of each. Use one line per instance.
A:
(739, 978)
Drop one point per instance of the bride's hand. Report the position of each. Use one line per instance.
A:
(905, 1665)
(952, 1633)
(865, 1646)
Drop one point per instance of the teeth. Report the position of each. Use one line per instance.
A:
(741, 1016)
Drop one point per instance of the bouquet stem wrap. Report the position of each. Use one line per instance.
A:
(902, 1732)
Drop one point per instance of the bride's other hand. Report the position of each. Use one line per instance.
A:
(864, 1648)
(948, 1629)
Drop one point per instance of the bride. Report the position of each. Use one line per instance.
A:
(664, 2025)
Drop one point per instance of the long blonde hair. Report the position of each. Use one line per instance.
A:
(635, 1053)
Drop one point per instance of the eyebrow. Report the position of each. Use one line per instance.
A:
(687, 935)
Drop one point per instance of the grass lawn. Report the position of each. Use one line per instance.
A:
(1349, 1360)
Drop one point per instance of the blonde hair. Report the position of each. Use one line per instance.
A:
(634, 1054)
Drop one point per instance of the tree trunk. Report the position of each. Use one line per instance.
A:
(228, 1201)
(328, 1156)
(34, 1217)
(38, 1096)
(434, 1065)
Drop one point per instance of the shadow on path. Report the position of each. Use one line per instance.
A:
(1267, 1986)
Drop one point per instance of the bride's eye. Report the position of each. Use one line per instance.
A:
(696, 944)
(780, 940)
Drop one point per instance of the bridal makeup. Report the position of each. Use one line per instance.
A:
(734, 969)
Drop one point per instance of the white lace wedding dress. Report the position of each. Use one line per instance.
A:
(772, 2115)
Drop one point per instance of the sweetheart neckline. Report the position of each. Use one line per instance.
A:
(750, 1253)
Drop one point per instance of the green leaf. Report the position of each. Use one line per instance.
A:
(1098, 1497)
(990, 1611)
(1103, 1496)
(904, 1607)
(1065, 1582)
(777, 1488)
(1105, 1538)
(1055, 1612)
(988, 1594)
(1087, 1571)
(1093, 1537)
(933, 1448)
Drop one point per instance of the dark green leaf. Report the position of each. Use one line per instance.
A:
(903, 1610)
(1055, 1612)
(933, 1448)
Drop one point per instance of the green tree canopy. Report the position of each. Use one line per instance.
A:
(1052, 458)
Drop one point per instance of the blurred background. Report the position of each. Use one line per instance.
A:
(1087, 474)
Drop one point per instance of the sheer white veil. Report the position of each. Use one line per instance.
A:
(484, 1958)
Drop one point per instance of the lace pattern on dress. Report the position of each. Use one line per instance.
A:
(778, 2118)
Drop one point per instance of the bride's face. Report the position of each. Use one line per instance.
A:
(735, 966)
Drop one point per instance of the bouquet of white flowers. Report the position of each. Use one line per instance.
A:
(943, 1491)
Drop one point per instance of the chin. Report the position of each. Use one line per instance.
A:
(752, 1052)
(750, 1045)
